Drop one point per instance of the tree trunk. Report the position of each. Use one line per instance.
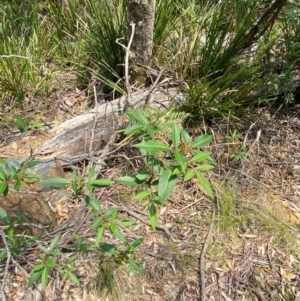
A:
(142, 14)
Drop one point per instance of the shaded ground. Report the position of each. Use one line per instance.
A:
(249, 232)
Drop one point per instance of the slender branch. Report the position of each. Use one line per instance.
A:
(201, 260)
(127, 55)
(8, 257)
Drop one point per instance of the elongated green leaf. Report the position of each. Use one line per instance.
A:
(199, 157)
(30, 164)
(153, 216)
(204, 183)
(113, 212)
(176, 135)
(143, 174)
(136, 243)
(20, 216)
(204, 167)
(97, 222)
(44, 249)
(35, 276)
(141, 195)
(52, 265)
(93, 203)
(185, 136)
(101, 183)
(152, 146)
(55, 182)
(4, 188)
(118, 234)
(2, 174)
(202, 140)
(134, 129)
(5, 216)
(54, 242)
(91, 172)
(38, 267)
(139, 268)
(129, 180)
(99, 236)
(126, 223)
(108, 248)
(180, 158)
(31, 176)
(74, 278)
(166, 184)
(45, 276)
(2, 254)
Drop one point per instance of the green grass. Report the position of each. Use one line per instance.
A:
(195, 41)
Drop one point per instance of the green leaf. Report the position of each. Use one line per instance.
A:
(54, 242)
(180, 158)
(141, 195)
(117, 233)
(199, 157)
(44, 249)
(204, 167)
(108, 248)
(190, 173)
(142, 175)
(45, 278)
(111, 211)
(129, 180)
(126, 223)
(101, 183)
(166, 184)
(91, 172)
(139, 268)
(136, 243)
(4, 188)
(2, 254)
(72, 259)
(74, 278)
(51, 265)
(202, 140)
(134, 129)
(152, 146)
(55, 182)
(99, 236)
(204, 183)
(31, 176)
(93, 203)
(146, 203)
(34, 277)
(20, 216)
(38, 267)
(153, 216)
(30, 164)
(3, 213)
(176, 135)
(97, 223)
(2, 174)
(185, 136)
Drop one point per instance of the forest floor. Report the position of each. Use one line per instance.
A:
(243, 245)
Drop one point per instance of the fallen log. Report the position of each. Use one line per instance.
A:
(84, 136)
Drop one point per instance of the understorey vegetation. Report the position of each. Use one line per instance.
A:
(233, 60)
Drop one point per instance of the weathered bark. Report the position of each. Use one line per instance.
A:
(142, 14)
(86, 135)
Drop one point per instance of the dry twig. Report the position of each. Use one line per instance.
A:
(8, 257)
(201, 260)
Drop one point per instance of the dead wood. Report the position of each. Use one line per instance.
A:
(84, 136)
